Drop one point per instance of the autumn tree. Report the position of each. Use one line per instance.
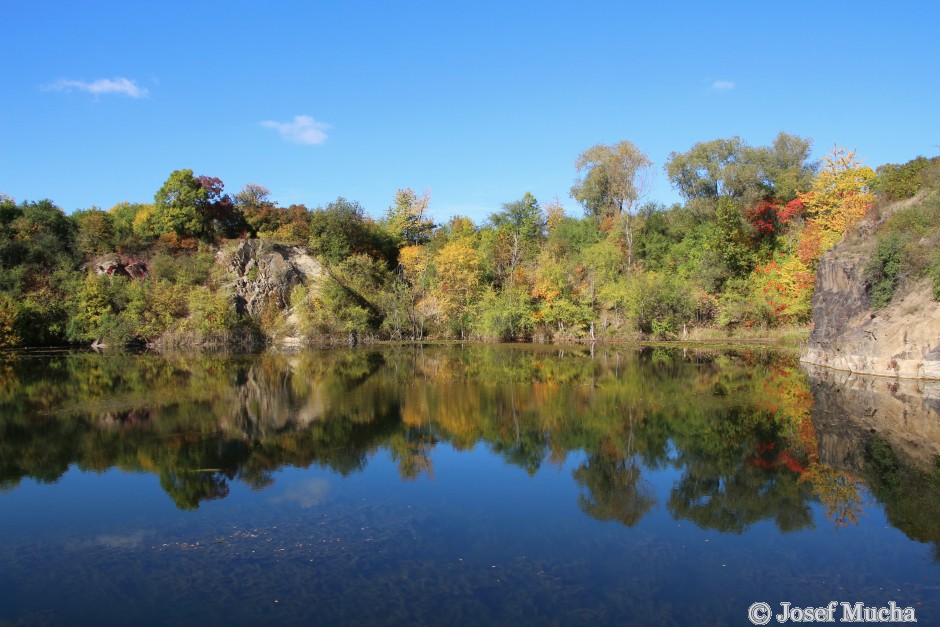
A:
(95, 231)
(457, 266)
(223, 219)
(407, 221)
(838, 199)
(611, 182)
(519, 226)
(259, 211)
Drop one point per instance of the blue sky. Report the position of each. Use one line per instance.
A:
(478, 102)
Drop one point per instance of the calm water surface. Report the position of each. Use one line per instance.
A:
(474, 485)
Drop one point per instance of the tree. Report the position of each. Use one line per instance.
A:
(784, 167)
(612, 180)
(839, 197)
(95, 231)
(342, 229)
(123, 216)
(179, 206)
(260, 213)
(406, 220)
(708, 170)
(519, 226)
(729, 167)
(458, 278)
(223, 219)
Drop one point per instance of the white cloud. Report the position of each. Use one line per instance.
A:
(117, 85)
(723, 85)
(307, 493)
(303, 130)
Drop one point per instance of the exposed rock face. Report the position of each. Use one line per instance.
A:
(900, 340)
(117, 266)
(851, 408)
(267, 273)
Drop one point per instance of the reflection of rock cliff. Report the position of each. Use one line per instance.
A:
(281, 394)
(268, 403)
(888, 433)
(850, 408)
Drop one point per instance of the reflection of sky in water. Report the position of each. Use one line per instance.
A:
(481, 540)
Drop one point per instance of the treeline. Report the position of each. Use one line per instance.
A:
(739, 252)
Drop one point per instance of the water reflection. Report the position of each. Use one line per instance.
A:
(887, 433)
(740, 429)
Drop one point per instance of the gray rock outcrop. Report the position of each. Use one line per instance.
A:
(900, 340)
(265, 274)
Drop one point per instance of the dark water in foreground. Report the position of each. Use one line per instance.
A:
(479, 485)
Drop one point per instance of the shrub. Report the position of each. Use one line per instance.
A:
(897, 182)
(211, 312)
(883, 270)
(189, 269)
(660, 303)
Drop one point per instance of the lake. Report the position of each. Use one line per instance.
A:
(459, 485)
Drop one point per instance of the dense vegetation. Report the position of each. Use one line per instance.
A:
(739, 252)
(907, 246)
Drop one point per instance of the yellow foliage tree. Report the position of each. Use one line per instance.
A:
(839, 198)
(458, 280)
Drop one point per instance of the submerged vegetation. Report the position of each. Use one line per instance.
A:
(739, 254)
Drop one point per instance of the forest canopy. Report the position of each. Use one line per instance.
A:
(739, 252)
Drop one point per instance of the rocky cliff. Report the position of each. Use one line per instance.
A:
(264, 274)
(899, 340)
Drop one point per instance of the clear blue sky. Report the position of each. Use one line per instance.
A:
(477, 101)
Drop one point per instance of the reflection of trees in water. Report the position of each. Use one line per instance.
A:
(729, 422)
(615, 490)
(736, 500)
(736, 472)
(885, 433)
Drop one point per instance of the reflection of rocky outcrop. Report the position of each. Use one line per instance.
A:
(272, 397)
(850, 408)
(267, 404)
(888, 433)
(900, 340)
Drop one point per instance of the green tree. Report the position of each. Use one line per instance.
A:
(342, 229)
(520, 227)
(406, 220)
(612, 180)
(729, 167)
(180, 206)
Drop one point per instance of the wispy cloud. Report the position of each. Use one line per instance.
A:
(303, 130)
(723, 85)
(118, 85)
